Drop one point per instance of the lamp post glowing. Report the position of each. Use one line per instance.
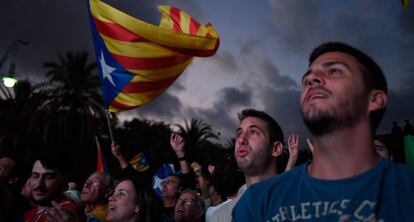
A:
(8, 79)
(9, 82)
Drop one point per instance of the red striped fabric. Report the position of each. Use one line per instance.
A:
(150, 63)
(144, 87)
(117, 32)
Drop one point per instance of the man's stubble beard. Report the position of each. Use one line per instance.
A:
(344, 115)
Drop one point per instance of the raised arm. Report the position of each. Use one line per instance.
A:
(293, 146)
(178, 143)
(116, 151)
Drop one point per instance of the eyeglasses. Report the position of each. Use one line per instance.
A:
(92, 183)
(187, 202)
(168, 182)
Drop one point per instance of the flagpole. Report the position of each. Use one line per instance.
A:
(111, 136)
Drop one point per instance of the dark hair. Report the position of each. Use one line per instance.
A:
(150, 206)
(54, 160)
(386, 141)
(275, 132)
(373, 77)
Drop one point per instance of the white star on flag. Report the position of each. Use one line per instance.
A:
(106, 69)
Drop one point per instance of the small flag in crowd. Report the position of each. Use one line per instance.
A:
(165, 171)
(100, 162)
(138, 61)
(139, 162)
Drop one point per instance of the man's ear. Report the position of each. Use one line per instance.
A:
(377, 100)
(277, 149)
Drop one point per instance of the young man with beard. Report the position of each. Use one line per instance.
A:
(259, 141)
(343, 99)
(46, 184)
(94, 196)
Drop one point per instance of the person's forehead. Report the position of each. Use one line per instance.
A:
(251, 120)
(125, 185)
(173, 177)
(334, 56)
(96, 176)
(39, 168)
(187, 195)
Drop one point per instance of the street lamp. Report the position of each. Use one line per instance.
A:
(8, 79)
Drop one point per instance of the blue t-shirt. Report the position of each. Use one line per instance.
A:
(384, 193)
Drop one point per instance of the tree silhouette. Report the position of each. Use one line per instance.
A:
(73, 108)
(195, 133)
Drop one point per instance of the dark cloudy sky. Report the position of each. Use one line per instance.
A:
(263, 52)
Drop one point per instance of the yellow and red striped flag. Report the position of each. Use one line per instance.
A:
(138, 61)
(100, 160)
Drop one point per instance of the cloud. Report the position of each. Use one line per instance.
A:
(260, 70)
(222, 115)
(225, 61)
(400, 105)
(164, 107)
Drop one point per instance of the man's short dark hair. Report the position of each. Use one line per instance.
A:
(54, 160)
(373, 77)
(273, 127)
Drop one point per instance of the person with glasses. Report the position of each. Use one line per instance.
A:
(189, 207)
(170, 188)
(94, 196)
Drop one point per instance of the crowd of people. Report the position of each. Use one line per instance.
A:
(351, 176)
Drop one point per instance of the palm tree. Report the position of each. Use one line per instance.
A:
(73, 109)
(195, 133)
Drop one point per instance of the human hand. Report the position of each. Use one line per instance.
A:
(177, 143)
(26, 191)
(59, 214)
(293, 145)
(116, 151)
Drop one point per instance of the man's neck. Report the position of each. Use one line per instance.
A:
(257, 177)
(343, 153)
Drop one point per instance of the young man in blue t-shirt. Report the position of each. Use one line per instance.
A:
(343, 99)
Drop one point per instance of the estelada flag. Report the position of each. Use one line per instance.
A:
(138, 61)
